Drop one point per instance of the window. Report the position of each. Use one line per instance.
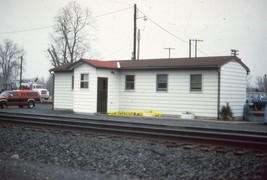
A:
(14, 93)
(72, 82)
(196, 82)
(84, 81)
(31, 93)
(162, 82)
(129, 82)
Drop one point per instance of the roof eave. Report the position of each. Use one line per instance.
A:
(183, 68)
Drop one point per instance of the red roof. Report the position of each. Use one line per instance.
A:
(101, 64)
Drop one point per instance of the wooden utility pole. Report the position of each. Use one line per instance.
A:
(134, 35)
(196, 40)
(189, 48)
(265, 83)
(138, 45)
(20, 77)
(169, 51)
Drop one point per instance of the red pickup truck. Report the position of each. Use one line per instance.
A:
(19, 98)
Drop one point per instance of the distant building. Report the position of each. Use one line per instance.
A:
(1, 79)
(172, 86)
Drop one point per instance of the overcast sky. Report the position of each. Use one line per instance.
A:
(221, 24)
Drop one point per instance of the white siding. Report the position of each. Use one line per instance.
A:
(177, 100)
(63, 94)
(113, 87)
(85, 99)
(233, 87)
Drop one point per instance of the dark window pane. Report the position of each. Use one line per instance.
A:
(84, 84)
(162, 85)
(162, 82)
(130, 78)
(84, 77)
(129, 86)
(31, 93)
(196, 82)
(84, 81)
(14, 93)
(129, 82)
(162, 78)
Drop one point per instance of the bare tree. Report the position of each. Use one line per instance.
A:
(49, 85)
(249, 84)
(10, 55)
(265, 82)
(259, 83)
(70, 39)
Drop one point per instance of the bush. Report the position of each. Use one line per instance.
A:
(248, 114)
(226, 112)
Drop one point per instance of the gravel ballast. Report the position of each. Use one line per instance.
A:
(27, 154)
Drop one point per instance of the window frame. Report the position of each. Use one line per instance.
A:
(159, 89)
(196, 86)
(84, 81)
(130, 82)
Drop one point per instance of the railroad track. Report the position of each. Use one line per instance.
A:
(240, 138)
(258, 113)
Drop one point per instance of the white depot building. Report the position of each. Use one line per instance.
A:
(200, 86)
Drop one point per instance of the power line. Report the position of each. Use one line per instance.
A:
(111, 12)
(47, 27)
(169, 31)
(25, 30)
(200, 50)
(163, 28)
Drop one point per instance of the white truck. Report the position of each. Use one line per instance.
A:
(40, 88)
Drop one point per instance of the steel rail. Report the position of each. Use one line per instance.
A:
(233, 137)
(75, 120)
(106, 122)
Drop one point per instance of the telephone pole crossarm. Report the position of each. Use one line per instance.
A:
(169, 51)
(234, 52)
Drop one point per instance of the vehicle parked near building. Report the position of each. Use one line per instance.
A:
(19, 98)
(40, 88)
(257, 100)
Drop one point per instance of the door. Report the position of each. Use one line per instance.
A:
(102, 95)
(13, 99)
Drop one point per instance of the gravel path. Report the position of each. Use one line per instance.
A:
(26, 170)
(26, 154)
